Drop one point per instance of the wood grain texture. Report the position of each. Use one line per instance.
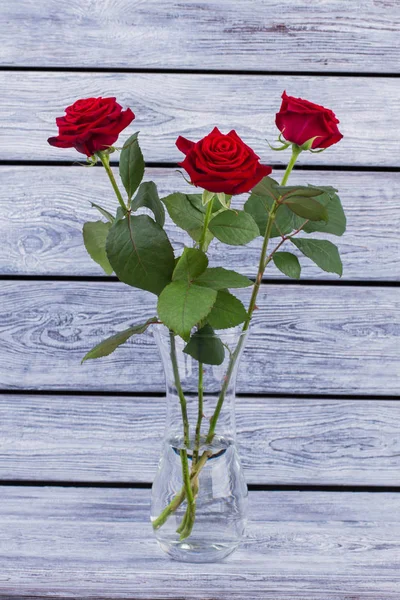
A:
(281, 440)
(98, 543)
(253, 35)
(168, 105)
(49, 240)
(308, 339)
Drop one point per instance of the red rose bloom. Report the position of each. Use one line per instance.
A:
(300, 120)
(222, 163)
(91, 125)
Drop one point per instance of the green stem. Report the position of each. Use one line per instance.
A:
(186, 477)
(189, 519)
(284, 239)
(182, 399)
(221, 398)
(105, 159)
(183, 451)
(207, 219)
(264, 248)
(183, 524)
(171, 508)
(202, 242)
(296, 151)
(186, 526)
(180, 497)
(199, 417)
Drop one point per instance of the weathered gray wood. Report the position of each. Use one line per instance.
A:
(98, 543)
(254, 35)
(48, 240)
(304, 339)
(281, 441)
(168, 105)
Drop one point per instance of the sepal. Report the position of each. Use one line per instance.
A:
(224, 199)
(308, 144)
(284, 144)
(207, 197)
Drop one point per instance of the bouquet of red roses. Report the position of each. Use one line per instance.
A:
(194, 300)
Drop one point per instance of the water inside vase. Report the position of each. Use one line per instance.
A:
(221, 504)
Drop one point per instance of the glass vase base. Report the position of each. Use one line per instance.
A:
(197, 552)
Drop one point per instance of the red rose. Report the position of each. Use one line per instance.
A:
(222, 163)
(300, 120)
(91, 125)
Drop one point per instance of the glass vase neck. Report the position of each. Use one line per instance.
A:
(202, 387)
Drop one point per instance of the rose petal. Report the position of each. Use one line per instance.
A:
(183, 144)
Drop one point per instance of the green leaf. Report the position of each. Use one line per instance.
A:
(110, 344)
(218, 278)
(235, 228)
(182, 305)
(120, 213)
(299, 190)
(322, 252)
(190, 265)
(266, 187)
(196, 200)
(336, 218)
(329, 189)
(228, 311)
(259, 208)
(140, 253)
(206, 347)
(308, 208)
(182, 211)
(103, 212)
(94, 237)
(148, 196)
(288, 264)
(131, 165)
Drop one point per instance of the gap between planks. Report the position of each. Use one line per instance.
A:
(177, 71)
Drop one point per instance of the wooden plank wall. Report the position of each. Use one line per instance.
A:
(339, 339)
(318, 406)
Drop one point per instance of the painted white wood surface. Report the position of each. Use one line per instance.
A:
(305, 339)
(208, 34)
(98, 543)
(48, 240)
(168, 105)
(118, 439)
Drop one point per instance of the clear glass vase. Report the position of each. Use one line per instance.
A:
(218, 512)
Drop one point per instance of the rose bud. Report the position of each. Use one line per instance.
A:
(222, 163)
(300, 121)
(91, 125)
